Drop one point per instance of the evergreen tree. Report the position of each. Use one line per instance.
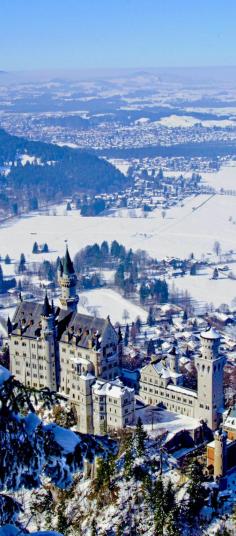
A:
(138, 324)
(158, 502)
(150, 348)
(126, 337)
(128, 460)
(172, 525)
(45, 248)
(150, 318)
(104, 249)
(120, 276)
(115, 249)
(68, 206)
(169, 498)
(7, 259)
(21, 266)
(196, 492)
(140, 436)
(35, 248)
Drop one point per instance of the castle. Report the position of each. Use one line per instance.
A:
(74, 354)
(161, 382)
(80, 357)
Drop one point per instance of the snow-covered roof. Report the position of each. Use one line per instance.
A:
(182, 390)
(113, 388)
(210, 334)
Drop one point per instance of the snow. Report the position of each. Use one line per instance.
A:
(224, 178)
(64, 437)
(181, 232)
(105, 302)
(163, 420)
(120, 164)
(206, 290)
(188, 121)
(210, 334)
(27, 159)
(4, 375)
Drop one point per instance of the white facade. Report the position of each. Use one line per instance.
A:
(67, 352)
(161, 383)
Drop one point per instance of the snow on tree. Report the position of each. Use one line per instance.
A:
(31, 449)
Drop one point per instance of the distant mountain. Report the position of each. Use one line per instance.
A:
(55, 170)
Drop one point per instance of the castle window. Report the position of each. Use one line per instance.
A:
(16, 342)
(23, 343)
(17, 371)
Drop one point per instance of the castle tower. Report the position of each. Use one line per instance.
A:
(67, 281)
(210, 370)
(220, 454)
(48, 334)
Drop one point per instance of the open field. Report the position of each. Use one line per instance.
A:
(184, 230)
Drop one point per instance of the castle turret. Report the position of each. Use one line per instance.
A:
(210, 370)
(67, 280)
(48, 334)
(173, 359)
(220, 454)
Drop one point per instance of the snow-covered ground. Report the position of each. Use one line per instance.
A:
(204, 289)
(183, 121)
(181, 232)
(103, 302)
(224, 178)
(165, 421)
(122, 165)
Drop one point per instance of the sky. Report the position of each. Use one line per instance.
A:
(79, 34)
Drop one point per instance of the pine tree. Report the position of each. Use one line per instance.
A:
(35, 248)
(171, 524)
(140, 436)
(169, 498)
(158, 502)
(196, 492)
(7, 260)
(128, 460)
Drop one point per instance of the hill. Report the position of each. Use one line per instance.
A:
(50, 170)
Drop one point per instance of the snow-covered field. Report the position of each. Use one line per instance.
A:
(206, 290)
(103, 302)
(181, 232)
(183, 121)
(224, 178)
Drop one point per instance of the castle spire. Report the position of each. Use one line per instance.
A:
(47, 310)
(68, 267)
(67, 281)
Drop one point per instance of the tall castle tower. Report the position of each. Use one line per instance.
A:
(67, 281)
(48, 335)
(210, 369)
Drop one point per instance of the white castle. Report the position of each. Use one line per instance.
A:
(161, 382)
(79, 356)
(75, 354)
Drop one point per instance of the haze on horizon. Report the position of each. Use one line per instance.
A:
(78, 35)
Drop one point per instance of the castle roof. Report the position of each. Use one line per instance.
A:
(72, 327)
(47, 309)
(68, 267)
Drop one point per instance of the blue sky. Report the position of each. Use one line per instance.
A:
(46, 34)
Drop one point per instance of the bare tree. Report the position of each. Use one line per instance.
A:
(217, 248)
